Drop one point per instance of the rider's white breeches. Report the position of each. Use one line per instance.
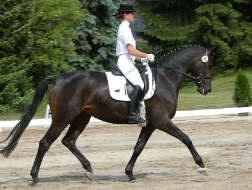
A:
(126, 65)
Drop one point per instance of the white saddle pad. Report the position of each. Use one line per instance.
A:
(118, 90)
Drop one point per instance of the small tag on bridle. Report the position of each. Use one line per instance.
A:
(204, 59)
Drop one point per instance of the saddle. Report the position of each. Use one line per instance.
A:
(121, 89)
(129, 86)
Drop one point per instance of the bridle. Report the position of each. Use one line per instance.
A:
(200, 79)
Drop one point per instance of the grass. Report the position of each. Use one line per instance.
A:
(189, 98)
(221, 96)
(17, 115)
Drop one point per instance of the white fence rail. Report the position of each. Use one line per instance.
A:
(206, 112)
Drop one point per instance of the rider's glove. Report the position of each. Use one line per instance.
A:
(151, 57)
(144, 61)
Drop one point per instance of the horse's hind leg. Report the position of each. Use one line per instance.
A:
(142, 140)
(75, 129)
(51, 135)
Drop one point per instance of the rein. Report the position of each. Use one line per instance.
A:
(196, 79)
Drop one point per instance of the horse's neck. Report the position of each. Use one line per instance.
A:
(173, 73)
(168, 76)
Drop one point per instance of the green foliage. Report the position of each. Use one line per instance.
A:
(96, 35)
(14, 45)
(14, 83)
(169, 23)
(36, 38)
(223, 24)
(20, 104)
(242, 95)
(225, 30)
(52, 24)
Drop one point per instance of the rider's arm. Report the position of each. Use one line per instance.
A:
(134, 52)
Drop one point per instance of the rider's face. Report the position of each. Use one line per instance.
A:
(129, 16)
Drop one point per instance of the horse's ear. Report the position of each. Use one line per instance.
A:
(211, 50)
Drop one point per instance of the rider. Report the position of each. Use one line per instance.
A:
(127, 53)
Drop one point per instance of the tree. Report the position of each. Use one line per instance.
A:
(225, 24)
(96, 35)
(14, 53)
(52, 34)
(222, 25)
(242, 95)
(36, 38)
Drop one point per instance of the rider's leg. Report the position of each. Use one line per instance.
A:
(131, 73)
(136, 98)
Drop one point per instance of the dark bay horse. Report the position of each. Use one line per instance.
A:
(76, 96)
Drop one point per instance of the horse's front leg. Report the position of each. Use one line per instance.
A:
(169, 127)
(141, 142)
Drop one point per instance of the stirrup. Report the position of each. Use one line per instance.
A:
(135, 119)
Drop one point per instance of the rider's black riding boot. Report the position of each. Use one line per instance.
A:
(136, 98)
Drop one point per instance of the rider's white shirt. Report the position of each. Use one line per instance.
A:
(125, 61)
(124, 37)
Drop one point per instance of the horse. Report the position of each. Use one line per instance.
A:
(76, 96)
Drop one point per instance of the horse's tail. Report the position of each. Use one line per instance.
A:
(17, 131)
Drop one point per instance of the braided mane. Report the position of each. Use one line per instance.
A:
(161, 56)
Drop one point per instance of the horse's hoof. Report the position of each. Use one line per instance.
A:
(203, 171)
(132, 179)
(35, 180)
(89, 175)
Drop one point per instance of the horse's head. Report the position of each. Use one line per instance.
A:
(201, 67)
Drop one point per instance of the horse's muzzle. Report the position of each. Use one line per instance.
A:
(204, 91)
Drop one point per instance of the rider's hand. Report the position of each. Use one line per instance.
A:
(151, 57)
(144, 61)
